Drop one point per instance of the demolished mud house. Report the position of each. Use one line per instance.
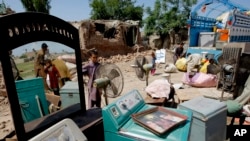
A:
(110, 37)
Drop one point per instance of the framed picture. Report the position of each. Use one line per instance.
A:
(159, 120)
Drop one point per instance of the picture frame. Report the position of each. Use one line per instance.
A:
(158, 120)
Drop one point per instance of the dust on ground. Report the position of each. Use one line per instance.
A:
(130, 82)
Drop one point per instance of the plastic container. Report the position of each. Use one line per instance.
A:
(206, 39)
(209, 119)
(69, 94)
(32, 98)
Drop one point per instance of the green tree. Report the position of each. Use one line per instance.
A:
(167, 16)
(5, 10)
(115, 10)
(37, 5)
(23, 56)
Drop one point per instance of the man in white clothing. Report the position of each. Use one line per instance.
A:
(193, 61)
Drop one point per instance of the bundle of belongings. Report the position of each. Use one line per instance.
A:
(204, 74)
(201, 80)
(170, 68)
(160, 88)
(181, 64)
(203, 68)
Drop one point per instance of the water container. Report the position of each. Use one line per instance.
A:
(32, 98)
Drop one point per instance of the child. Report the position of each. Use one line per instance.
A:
(153, 62)
(94, 98)
(54, 76)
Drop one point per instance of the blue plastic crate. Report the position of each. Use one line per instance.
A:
(32, 98)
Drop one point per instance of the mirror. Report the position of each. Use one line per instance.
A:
(67, 93)
(34, 27)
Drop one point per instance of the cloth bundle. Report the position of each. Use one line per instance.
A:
(181, 64)
(158, 88)
(170, 68)
(200, 80)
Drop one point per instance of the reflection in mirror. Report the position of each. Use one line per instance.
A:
(49, 74)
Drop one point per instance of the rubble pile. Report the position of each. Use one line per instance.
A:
(112, 59)
(122, 58)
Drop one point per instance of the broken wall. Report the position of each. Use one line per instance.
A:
(109, 37)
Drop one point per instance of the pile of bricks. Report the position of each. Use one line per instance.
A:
(123, 58)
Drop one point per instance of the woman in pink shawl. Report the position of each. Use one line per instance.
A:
(94, 98)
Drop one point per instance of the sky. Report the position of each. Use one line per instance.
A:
(77, 10)
(69, 10)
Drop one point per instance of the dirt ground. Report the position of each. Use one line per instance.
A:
(130, 82)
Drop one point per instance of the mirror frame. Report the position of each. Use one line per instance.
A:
(27, 27)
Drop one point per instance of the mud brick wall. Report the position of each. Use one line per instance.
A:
(92, 36)
(108, 47)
